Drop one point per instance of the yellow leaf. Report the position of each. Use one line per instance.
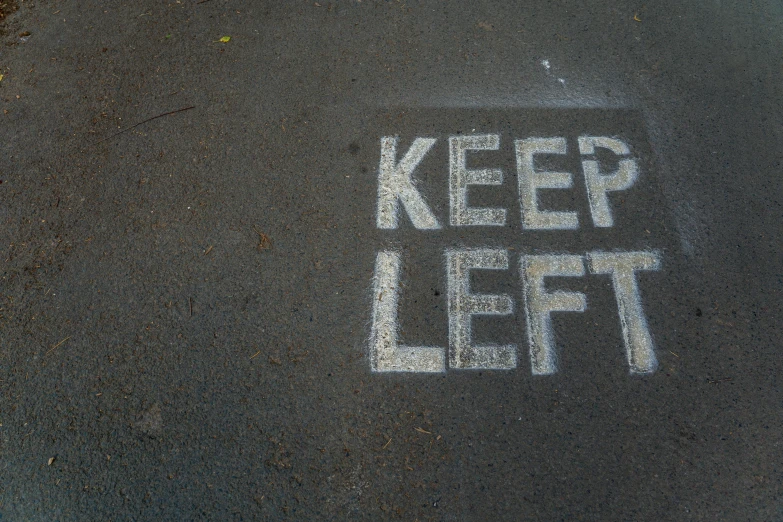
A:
(225, 39)
(1, 77)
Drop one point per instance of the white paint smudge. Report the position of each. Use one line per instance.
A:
(599, 184)
(460, 177)
(546, 65)
(462, 305)
(539, 304)
(395, 185)
(530, 181)
(622, 266)
(385, 354)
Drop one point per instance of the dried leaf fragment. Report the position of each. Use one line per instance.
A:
(263, 240)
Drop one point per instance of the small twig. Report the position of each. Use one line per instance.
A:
(190, 301)
(143, 122)
(423, 431)
(259, 351)
(57, 345)
(203, 2)
(386, 445)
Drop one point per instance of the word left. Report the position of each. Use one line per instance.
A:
(387, 355)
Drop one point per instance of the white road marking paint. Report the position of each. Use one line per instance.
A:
(385, 354)
(460, 177)
(622, 266)
(539, 304)
(599, 184)
(530, 181)
(462, 305)
(395, 185)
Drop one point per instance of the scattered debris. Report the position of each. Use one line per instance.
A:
(636, 17)
(387, 444)
(486, 26)
(51, 460)
(208, 250)
(143, 122)
(225, 39)
(7, 7)
(57, 345)
(259, 351)
(420, 430)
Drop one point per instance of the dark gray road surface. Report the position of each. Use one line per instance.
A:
(186, 307)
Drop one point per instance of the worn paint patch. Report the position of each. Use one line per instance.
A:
(539, 304)
(597, 184)
(386, 355)
(622, 267)
(460, 177)
(395, 185)
(464, 304)
(531, 181)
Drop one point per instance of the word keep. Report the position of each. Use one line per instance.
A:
(396, 185)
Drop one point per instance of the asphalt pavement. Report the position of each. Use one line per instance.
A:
(387, 260)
